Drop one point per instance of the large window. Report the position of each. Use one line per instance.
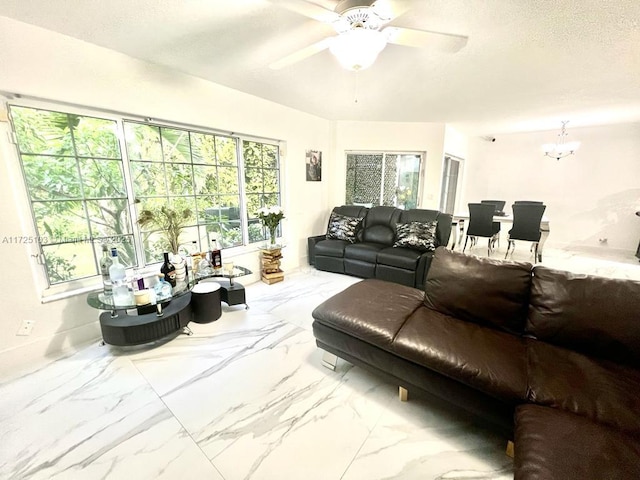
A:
(262, 185)
(88, 178)
(383, 179)
(74, 174)
(186, 170)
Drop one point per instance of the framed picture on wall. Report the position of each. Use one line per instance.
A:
(313, 160)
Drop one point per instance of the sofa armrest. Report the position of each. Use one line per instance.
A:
(422, 269)
(443, 230)
(311, 246)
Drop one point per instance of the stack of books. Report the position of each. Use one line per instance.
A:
(271, 272)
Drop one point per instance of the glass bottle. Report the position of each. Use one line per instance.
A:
(216, 255)
(204, 267)
(138, 280)
(168, 270)
(192, 250)
(118, 276)
(105, 263)
(162, 289)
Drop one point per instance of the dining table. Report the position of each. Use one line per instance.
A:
(459, 223)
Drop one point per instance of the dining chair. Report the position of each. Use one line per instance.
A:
(499, 204)
(530, 202)
(526, 226)
(481, 224)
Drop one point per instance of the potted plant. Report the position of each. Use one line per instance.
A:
(170, 223)
(270, 217)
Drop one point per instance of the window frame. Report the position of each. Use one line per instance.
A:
(445, 191)
(53, 291)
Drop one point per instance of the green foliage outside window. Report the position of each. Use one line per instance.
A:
(75, 172)
(74, 175)
(261, 172)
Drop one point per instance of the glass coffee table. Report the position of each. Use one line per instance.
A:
(136, 324)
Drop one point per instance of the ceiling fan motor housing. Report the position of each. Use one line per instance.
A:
(345, 5)
(355, 14)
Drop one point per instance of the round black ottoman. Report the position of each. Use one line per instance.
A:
(205, 302)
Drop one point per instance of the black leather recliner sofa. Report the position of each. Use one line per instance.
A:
(372, 254)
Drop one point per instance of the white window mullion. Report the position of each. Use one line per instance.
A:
(244, 215)
(382, 170)
(131, 199)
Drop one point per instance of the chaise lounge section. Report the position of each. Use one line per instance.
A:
(506, 340)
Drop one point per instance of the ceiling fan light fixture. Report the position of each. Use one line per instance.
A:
(357, 49)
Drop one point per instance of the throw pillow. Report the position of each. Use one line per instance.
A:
(342, 227)
(417, 235)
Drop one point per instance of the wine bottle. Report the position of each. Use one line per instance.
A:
(168, 270)
(216, 255)
(105, 263)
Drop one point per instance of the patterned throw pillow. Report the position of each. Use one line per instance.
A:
(342, 227)
(417, 235)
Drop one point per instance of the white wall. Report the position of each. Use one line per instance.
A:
(40, 63)
(591, 195)
(455, 143)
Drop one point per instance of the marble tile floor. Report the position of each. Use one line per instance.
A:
(601, 261)
(244, 397)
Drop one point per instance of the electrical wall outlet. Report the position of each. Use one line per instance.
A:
(26, 327)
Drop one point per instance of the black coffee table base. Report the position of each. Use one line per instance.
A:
(231, 294)
(126, 330)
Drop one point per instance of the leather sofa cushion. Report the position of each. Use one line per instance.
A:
(418, 215)
(480, 290)
(379, 225)
(598, 389)
(487, 359)
(331, 248)
(371, 310)
(594, 315)
(555, 445)
(399, 257)
(366, 252)
(351, 210)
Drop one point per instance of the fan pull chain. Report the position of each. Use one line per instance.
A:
(355, 90)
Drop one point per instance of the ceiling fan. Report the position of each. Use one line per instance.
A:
(362, 32)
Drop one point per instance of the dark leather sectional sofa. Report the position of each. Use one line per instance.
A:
(373, 255)
(551, 357)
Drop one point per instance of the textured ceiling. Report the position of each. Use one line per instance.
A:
(526, 66)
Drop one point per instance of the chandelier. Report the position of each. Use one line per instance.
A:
(560, 149)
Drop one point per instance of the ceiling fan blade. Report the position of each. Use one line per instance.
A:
(308, 9)
(301, 54)
(447, 42)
